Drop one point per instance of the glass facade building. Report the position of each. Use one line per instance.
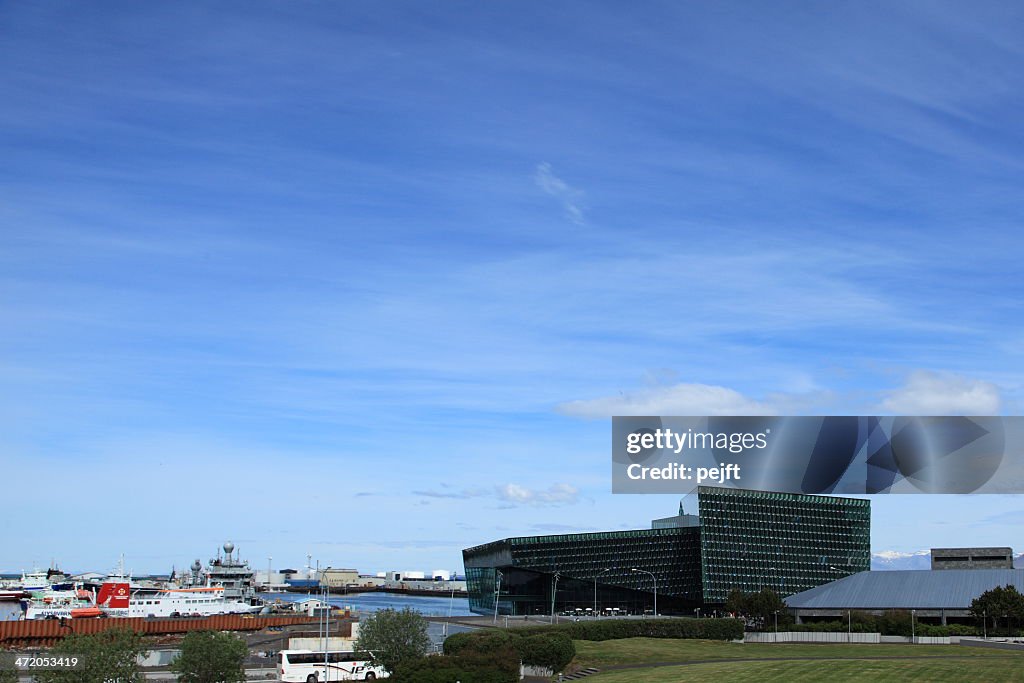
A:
(744, 539)
(787, 542)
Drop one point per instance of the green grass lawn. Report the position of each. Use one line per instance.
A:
(995, 669)
(787, 662)
(665, 650)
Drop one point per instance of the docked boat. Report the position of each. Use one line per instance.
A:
(62, 604)
(116, 600)
(39, 581)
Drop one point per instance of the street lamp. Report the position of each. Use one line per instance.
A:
(554, 591)
(984, 624)
(776, 622)
(497, 594)
(607, 569)
(451, 584)
(644, 571)
(913, 631)
(849, 626)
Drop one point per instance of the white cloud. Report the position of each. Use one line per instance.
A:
(932, 393)
(678, 399)
(557, 494)
(514, 494)
(569, 196)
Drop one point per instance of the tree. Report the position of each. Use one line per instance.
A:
(736, 602)
(7, 672)
(767, 606)
(211, 657)
(761, 609)
(393, 637)
(110, 655)
(1001, 601)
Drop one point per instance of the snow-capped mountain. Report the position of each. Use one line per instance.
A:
(919, 559)
(893, 559)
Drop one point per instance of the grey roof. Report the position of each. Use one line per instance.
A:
(919, 589)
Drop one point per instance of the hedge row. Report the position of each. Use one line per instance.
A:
(549, 649)
(888, 627)
(615, 629)
(500, 665)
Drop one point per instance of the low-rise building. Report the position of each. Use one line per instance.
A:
(339, 578)
(972, 558)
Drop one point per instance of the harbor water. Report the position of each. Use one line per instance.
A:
(429, 606)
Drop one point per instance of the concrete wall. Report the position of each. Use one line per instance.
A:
(972, 558)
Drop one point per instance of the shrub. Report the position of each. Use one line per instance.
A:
(551, 650)
(500, 665)
(615, 629)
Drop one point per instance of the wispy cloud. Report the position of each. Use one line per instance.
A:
(512, 494)
(1010, 518)
(568, 196)
(924, 393)
(935, 393)
(678, 399)
(560, 528)
(464, 494)
(557, 494)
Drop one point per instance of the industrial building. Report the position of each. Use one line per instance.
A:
(739, 539)
(972, 558)
(339, 578)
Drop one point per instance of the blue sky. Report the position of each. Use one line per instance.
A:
(366, 280)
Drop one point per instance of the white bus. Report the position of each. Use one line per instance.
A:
(307, 666)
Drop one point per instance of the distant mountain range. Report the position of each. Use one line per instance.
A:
(919, 559)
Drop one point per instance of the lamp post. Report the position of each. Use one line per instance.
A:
(913, 631)
(776, 622)
(554, 591)
(849, 626)
(607, 569)
(644, 571)
(984, 624)
(497, 594)
(451, 584)
(269, 561)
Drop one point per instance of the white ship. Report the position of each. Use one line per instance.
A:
(117, 601)
(63, 604)
(225, 587)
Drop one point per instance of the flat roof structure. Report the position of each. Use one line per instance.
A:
(946, 593)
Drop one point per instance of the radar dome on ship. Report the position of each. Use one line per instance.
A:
(229, 547)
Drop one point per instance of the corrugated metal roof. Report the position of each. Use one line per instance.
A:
(922, 589)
